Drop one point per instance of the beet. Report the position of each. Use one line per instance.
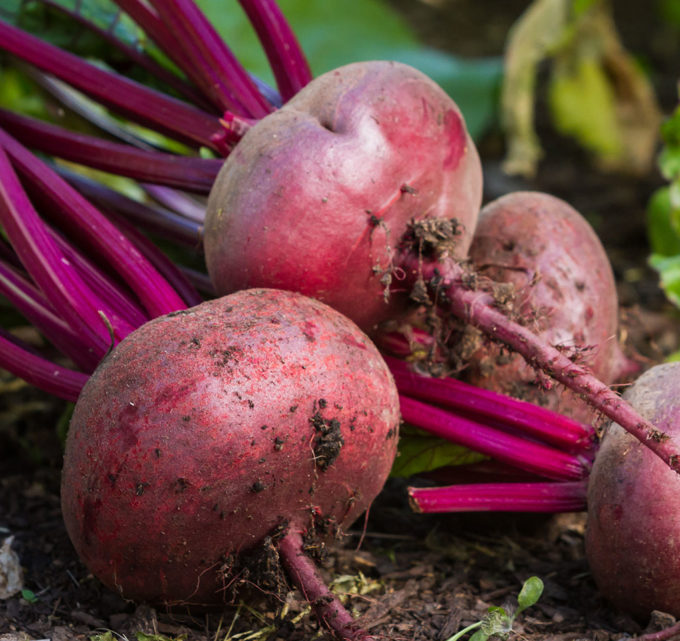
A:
(632, 540)
(260, 414)
(562, 286)
(316, 196)
(363, 191)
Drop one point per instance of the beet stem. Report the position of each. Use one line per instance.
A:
(139, 103)
(101, 236)
(527, 455)
(211, 64)
(501, 497)
(535, 421)
(56, 277)
(31, 303)
(183, 172)
(176, 201)
(306, 576)
(121, 312)
(477, 308)
(284, 53)
(38, 371)
(149, 217)
(661, 635)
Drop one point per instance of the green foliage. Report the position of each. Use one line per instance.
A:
(498, 621)
(598, 95)
(29, 596)
(669, 12)
(420, 452)
(58, 28)
(583, 106)
(663, 213)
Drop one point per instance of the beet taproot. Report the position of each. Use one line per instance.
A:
(205, 431)
(317, 196)
(561, 284)
(632, 535)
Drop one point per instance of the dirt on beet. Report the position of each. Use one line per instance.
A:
(410, 577)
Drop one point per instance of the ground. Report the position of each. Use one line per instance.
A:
(410, 577)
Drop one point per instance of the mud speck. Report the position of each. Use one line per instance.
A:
(328, 442)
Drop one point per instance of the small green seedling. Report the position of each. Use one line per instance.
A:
(29, 596)
(497, 621)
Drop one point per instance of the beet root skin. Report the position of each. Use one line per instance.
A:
(632, 541)
(205, 430)
(316, 197)
(564, 289)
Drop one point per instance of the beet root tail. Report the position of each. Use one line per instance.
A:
(445, 279)
(304, 573)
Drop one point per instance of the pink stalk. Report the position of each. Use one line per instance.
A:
(176, 201)
(54, 379)
(30, 302)
(92, 227)
(121, 311)
(477, 308)
(170, 272)
(145, 106)
(520, 452)
(501, 497)
(52, 272)
(305, 575)
(498, 409)
(184, 172)
(20, 359)
(151, 218)
(213, 66)
(152, 25)
(284, 53)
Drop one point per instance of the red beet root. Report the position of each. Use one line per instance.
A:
(632, 537)
(562, 285)
(317, 195)
(259, 414)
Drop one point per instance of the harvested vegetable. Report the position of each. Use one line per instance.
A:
(632, 532)
(318, 196)
(217, 436)
(561, 283)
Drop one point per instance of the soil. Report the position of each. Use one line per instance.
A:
(409, 577)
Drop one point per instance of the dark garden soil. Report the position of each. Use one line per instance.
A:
(409, 577)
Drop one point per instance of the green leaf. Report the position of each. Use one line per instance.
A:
(18, 93)
(420, 452)
(29, 596)
(663, 231)
(59, 29)
(334, 32)
(529, 594)
(497, 622)
(583, 106)
(669, 162)
(669, 272)
(143, 636)
(480, 635)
